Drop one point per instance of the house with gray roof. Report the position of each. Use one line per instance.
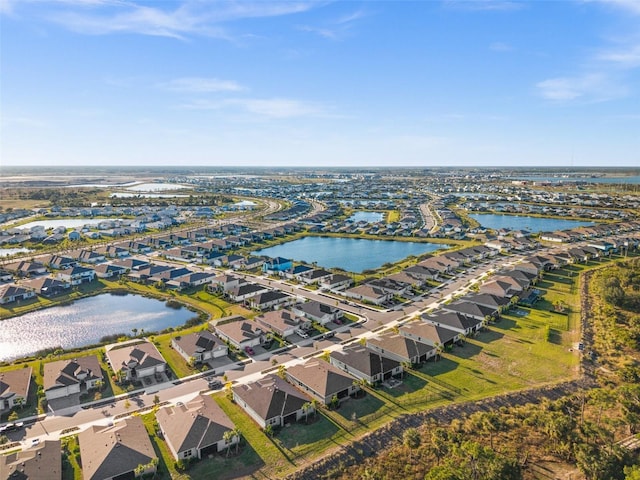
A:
(365, 364)
(195, 429)
(201, 346)
(454, 321)
(317, 311)
(40, 462)
(120, 451)
(14, 293)
(471, 309)
(322, 380)
(272, 400)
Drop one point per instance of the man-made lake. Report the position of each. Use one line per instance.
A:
(85, 322)
(5, 252)
(570, 178)
(369, 217)
(351, 254)
(533, 224)
(147, 195)
(65, 222)
(157, 187)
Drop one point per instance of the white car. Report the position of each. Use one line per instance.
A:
(302, 333)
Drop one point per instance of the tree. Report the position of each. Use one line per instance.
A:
(306, 407)
(236, 434)
(134, 331)
(439, 349)
(282, 372)
(13, 416)
(411, 440)
(632, 472)
(127, 404)
(156, 400)
(228, 437)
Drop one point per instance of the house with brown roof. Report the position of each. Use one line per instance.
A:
(47, 286)
(14, 388)
(240, 333)
(429, 334)
(120, 451)
(281, 322)
(272, 401)
(68, 377)
(369, 293)
(201, 346)
(365, 364)
(40, 462)
(195, 429)
(135, 359)
(322, 380)
(401, 348)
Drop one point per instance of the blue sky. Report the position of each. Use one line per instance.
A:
(429, 83)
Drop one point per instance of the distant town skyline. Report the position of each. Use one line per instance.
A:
(419, 84)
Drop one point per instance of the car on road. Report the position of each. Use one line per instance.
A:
(249, 350)
(35, 441)
(11, 427)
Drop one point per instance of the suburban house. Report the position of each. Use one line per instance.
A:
(59, 262)
(77, 275)
(365, 364)
(368, 293)
(120, 451)
(317, 312)
(67, 377)
(415, 281)
(400, 348)
(488, 300)
(108, 270)
(277, 265)
(13, 293)
(272, 401)
(40, 462)
(336, 281)
(393, 287)
(471, 309)
(429, 334)
(317, 275)
(240, 333)
(269, 299)
(322, 380)
(454, 321)
(135, 359)
(190, 280)
(196, 429)
(47, 286)
(246, 290)
(225, 283)
(421, 272)
(199, 346)
(14, 388)
(500, 288)
(281, 322)
(25, 268)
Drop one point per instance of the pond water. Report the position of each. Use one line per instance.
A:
(85, 322)
(554, 179)
(523, 222)
(157, 187)
(66, 222)
(351, 254)
(369, 217)
(5, 252)
(147, 195)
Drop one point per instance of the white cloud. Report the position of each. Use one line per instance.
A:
(632, 6)
(201, 85)
(500, 47)
(323, 32)
(484, 5)
(589, 87)
(279, 108)
(626, 57)
(102, 17)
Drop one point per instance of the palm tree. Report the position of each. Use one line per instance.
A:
(305, 409)
(439, 350)
(228, 438)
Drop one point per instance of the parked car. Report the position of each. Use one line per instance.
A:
(11, 427)
(302, 333)
(249, 350)
(215, 384)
